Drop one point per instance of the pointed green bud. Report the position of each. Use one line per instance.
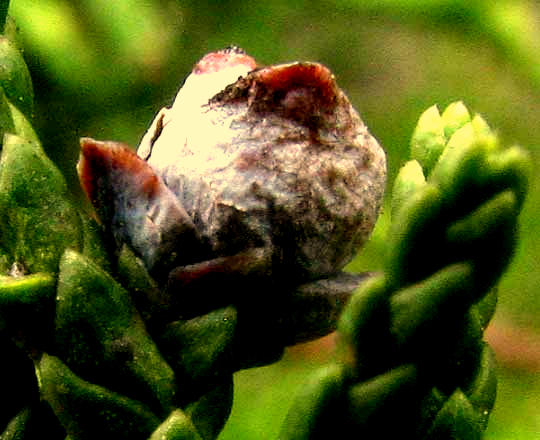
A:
(410, 179)
(460, 164)
(485, 136)
(428, 139)
(177, 426)
(508, 169)
(454, 117)
(15, 77)
(411, 241)
(418, 310)
(89, 411)
(481, 127)
(37, 219)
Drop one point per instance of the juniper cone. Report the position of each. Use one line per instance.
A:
(255, 171)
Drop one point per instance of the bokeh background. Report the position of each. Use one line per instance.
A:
(103, 68)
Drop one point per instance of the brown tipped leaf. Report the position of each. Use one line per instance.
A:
(133, 202)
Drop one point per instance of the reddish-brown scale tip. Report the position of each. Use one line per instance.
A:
(89, 151)
(118, 164)
(300, 75)
(231, 57)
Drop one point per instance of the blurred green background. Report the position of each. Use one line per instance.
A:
(103, 69)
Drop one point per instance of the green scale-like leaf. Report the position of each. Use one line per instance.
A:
(37, 221)
(20, 125)
(201, 347)
(89, 411)
(102, 337)
(15, 77)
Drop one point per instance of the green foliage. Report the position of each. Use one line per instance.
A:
(413, 362)
(94, 349)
